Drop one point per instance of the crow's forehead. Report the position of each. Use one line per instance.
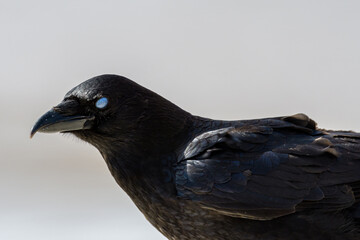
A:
(96, 87)
(86, 90)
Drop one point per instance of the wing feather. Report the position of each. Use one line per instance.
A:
(271, 168)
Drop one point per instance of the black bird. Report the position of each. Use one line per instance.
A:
(196, 178)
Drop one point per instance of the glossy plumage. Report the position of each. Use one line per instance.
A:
(197, 178)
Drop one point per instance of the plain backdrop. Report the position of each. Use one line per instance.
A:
(226, 59)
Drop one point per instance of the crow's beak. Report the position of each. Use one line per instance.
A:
(58, 120)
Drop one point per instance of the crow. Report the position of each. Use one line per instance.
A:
(197, 178)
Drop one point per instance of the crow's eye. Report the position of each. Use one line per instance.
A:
(102, 102)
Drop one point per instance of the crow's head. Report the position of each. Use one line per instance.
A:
(111, 108)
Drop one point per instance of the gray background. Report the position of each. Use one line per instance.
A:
(220, 59)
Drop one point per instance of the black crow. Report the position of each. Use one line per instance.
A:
(196, 178)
